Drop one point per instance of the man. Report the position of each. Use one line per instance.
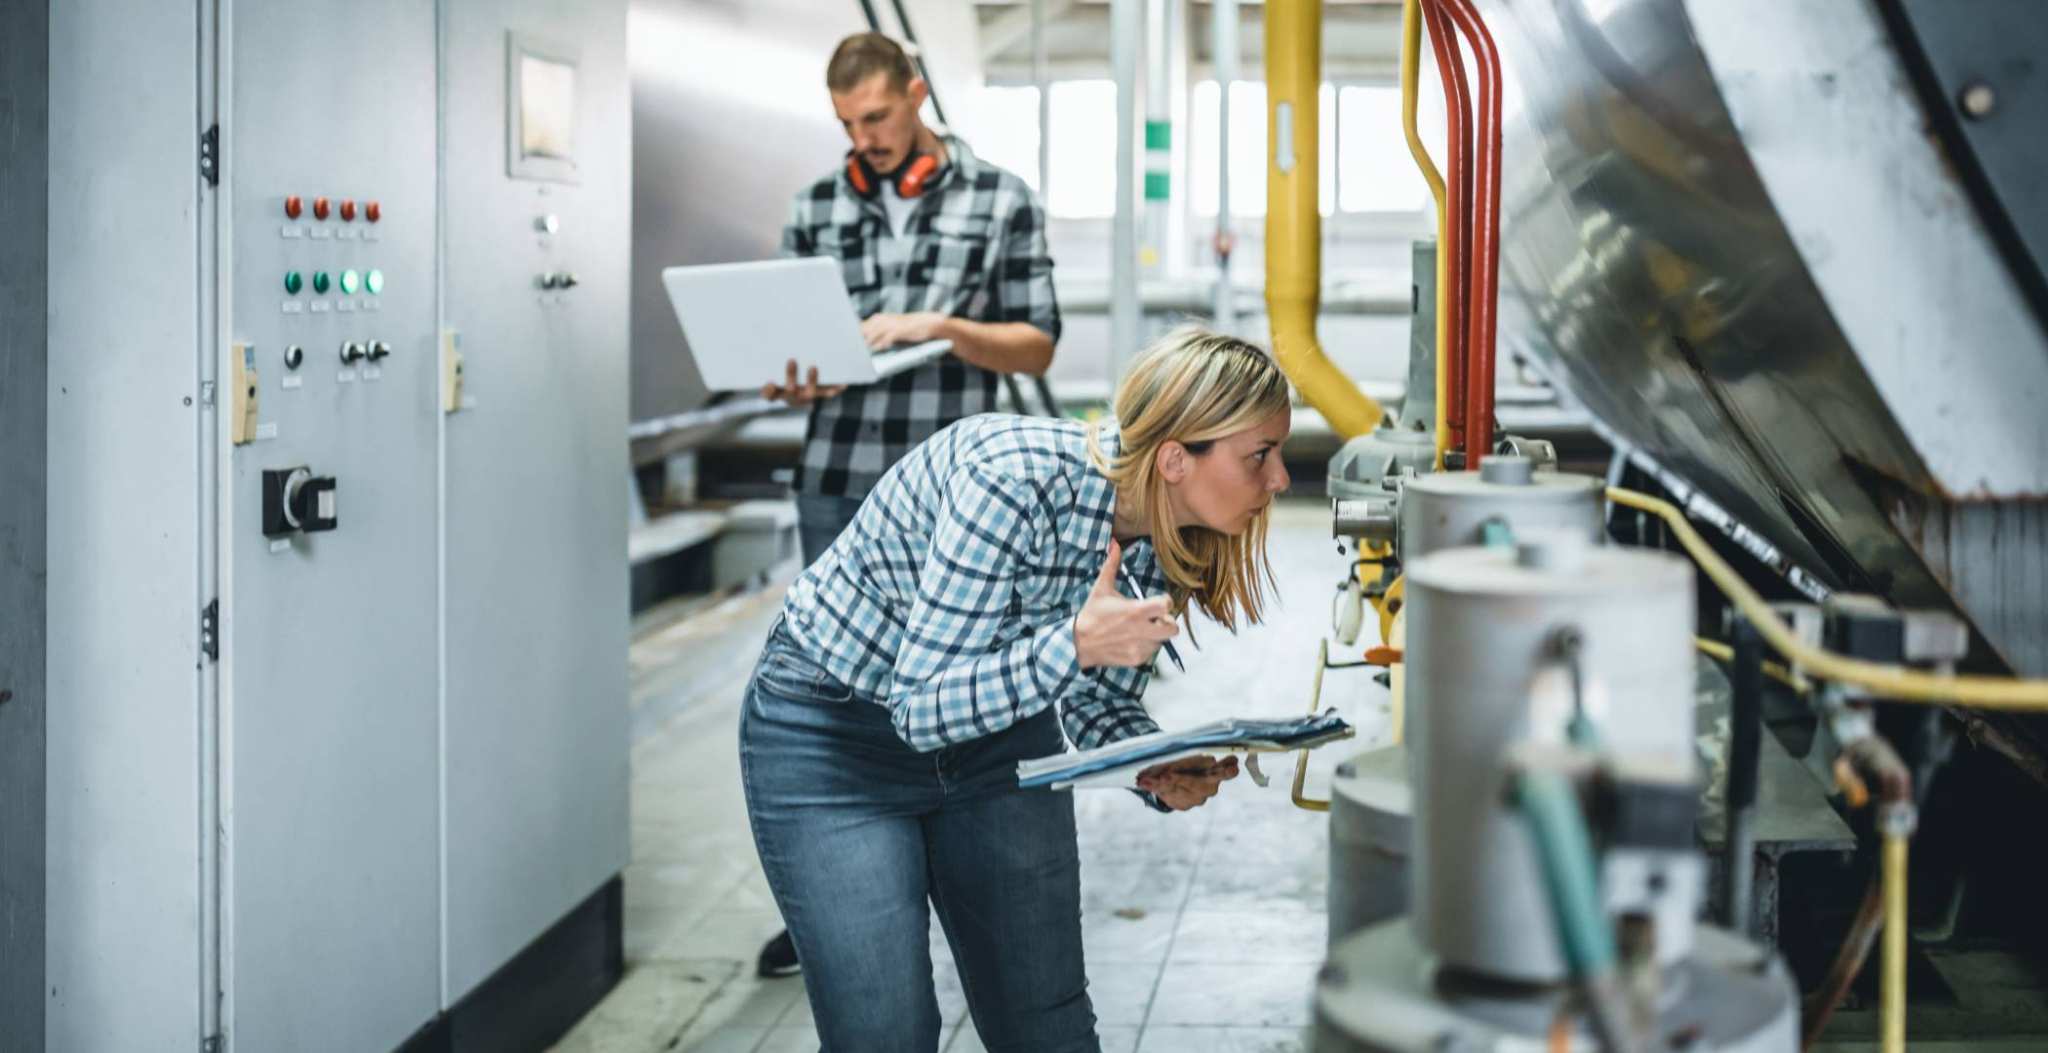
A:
(934, 244)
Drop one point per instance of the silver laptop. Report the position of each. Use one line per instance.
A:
(744, 321)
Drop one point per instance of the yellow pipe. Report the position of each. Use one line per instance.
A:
(1719, 651)
(1411, 64)
(1294, 224)
(1884, 681)
(1892, 981)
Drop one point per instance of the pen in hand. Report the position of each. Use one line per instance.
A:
(1139, 594)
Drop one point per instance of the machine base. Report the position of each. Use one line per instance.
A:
(1381, 992)
(542, 992)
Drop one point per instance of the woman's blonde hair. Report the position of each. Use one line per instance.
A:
(1193, 386)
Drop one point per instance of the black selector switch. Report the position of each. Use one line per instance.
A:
(294, 356)
(351, 352)
(296, 501)
(379, 350)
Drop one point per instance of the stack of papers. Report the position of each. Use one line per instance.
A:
(1118, 764)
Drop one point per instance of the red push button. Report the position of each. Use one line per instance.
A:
(320, 208)
(348, 210)
(293, 206)
(372, 211)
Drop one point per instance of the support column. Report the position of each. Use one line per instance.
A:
(24, 365)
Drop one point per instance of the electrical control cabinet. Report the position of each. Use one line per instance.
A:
(337, 675)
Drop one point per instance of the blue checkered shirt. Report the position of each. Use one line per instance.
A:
(974, 247)
(951, 597)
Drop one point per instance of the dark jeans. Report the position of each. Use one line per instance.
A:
(819, 520)
(858, 832)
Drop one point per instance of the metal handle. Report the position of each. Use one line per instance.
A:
(1315, 703)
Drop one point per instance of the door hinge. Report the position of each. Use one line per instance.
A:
(210, 1044)
(209, 630)
(209, 155)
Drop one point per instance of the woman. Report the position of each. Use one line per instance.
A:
(971, 611)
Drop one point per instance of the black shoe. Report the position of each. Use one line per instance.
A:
(778, 958)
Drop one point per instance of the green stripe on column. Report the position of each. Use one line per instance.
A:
(1156, 186)
(1158, 135)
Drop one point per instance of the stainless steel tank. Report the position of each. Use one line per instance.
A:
(1371, 811)
(1450, 509)
(1372, 818)
(1483, 675)
(1764, 245)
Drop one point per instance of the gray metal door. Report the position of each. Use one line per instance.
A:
(534, 523)
(329, 700)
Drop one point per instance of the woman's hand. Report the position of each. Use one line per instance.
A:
(1114, 630)
(1188, 782)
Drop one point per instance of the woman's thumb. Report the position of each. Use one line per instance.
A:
(1106, 580)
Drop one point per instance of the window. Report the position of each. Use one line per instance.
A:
(1248, 148)
(1081, 154)
(1009, 119)
(1378, 173)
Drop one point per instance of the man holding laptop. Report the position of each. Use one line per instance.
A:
(933, 244)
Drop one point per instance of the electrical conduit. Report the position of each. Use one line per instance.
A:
(1411, 56)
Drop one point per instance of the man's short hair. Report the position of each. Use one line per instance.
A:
(863, 55)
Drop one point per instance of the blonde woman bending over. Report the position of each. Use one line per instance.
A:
(1009, 578)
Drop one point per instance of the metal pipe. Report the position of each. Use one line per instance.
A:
(917, 56)
(1158, 133)
(1038, 81)
(1126, 24)
(1450, 67)
(1485, 259)
(1294, 223)
(1223, 58)
(1745, 743)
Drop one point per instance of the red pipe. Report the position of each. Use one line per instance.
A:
(1458, 193)
(1482, 318)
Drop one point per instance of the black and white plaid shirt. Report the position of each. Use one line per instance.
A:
(951, 596)
(974, 247)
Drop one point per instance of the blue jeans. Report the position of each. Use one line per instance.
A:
(820, 520)
(858, 832)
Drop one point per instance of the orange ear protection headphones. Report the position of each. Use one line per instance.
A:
(910, 177)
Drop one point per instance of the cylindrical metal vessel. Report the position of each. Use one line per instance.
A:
(1382, 993)
(1371, 829)
(1448, 509)
(1483, 674)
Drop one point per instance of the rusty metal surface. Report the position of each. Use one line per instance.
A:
(1657, 274)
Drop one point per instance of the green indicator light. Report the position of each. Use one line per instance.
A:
(350, 282)
(320, 281)
(293, 283)
(374, 281)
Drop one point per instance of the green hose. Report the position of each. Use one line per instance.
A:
(1550, 807)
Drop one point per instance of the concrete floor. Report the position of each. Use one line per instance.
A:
(1203, 930)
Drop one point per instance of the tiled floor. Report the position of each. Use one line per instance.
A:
(1203, 930)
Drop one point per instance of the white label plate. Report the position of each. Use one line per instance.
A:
(267, 430)
(322, 307)
(293, 382)
(373, 373)
(346, 376)
(322, 233)
(294, 307)
(290, 231)
(344, 305)
(283, 544)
